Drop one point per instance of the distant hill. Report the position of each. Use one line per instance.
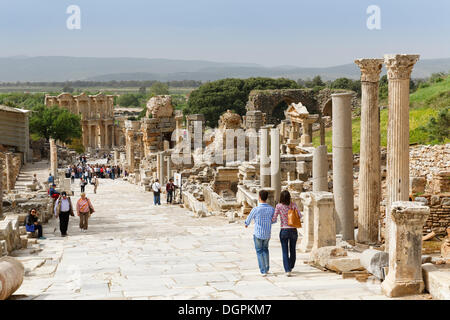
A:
(56, 68)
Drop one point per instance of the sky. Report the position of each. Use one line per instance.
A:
(317, 33)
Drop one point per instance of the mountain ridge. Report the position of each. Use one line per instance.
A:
(66, 68)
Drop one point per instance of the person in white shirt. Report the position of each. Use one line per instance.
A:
(63, 208)
(156, 187)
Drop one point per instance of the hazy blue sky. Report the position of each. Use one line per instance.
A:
(268, 32)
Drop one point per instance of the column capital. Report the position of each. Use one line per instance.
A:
(399, 66)
(370, 69)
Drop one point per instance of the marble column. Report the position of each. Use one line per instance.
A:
(168, 168)
(405, 249)
(85, 136)
(275, 170)
(9, 172)
(1, 189)
(399, 68)
(324, 219)
(308, 222)
(264, 161)
(102, 135)
(322, 132)
(343, 164)
(53, 159)
(369, 167)
(116, 157)
(113, 135)
(106, 136)
(158, 166)
(320, 169)
(130, 151)
(161, 168)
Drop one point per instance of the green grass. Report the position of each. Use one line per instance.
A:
(425, 103)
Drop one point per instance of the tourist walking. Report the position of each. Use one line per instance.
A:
(95, 182)
(156, 187)
(32, 223)
(170, 188)
(63, 209)
(262, 214)
(83, 184)
(288, 234)
(84, 211)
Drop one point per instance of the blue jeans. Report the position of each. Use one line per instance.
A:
(288, 239)
(157, 198)
(262, 253)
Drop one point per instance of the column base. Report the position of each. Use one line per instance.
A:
(393, 288)
(305, 247)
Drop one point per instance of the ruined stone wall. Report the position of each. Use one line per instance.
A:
(15, 168)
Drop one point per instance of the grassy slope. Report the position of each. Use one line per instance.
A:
(425, 102)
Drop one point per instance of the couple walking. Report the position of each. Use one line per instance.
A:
(265, 215)
(64, 209)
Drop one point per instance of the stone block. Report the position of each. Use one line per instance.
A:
(374, 261)
(437, 280)
(417, 185)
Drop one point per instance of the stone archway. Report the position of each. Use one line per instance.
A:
(272, 102)
(327, 110)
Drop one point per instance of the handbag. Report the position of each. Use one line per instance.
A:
(294, 218)
(30, 228)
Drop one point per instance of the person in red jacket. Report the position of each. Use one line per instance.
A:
(170, 188)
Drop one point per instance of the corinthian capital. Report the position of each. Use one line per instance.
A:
(370, 69)
(399, 66)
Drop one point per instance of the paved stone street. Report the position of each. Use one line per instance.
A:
(134, 250)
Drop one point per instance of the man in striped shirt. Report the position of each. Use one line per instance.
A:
(262, 214)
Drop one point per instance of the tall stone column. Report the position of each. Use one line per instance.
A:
(161, 167)
(85, 136)
(130, 151)
(275, 170)
(1, 189)
(320, 169)
(168, 168)
(106, 136)
(369, 168)
(53, 158)
(9, 172)
(264, 161)
(405, 249)
(116, 157)
(102, 135)
(308, 222)
(399, 68)
(343, 164)
(324, 219)
(158, 166)
(113, 135)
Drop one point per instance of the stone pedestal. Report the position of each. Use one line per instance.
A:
(264, 161)
(275, 172)
(168, 168)
(399, 68)
(11, 276)
(405, 249)
(343, 164)
(320, 169)
(370, 169)
(324, 219)
(308, 222)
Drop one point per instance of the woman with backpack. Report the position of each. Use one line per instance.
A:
(290, 221)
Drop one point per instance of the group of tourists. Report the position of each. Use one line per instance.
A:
(63, 209)
(170, 191)
(264, 216)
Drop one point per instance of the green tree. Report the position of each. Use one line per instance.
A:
(438, 128)
(56, 123)
(214, 98)
(130, 99)
(348, 84)
(159, 88)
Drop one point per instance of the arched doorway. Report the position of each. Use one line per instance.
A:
(327, 110)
